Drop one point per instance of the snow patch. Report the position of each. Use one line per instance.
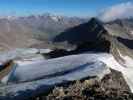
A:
(131, 32)
(127, 71)
(55, 18)
(47, 73)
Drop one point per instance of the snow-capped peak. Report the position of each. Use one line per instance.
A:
(8, 17)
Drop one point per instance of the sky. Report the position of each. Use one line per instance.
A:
(81, 8)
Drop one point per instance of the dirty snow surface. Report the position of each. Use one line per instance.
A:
(39, 76)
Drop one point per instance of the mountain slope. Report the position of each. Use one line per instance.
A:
(121, 27)
(97, 34)
(25, 31)
(89, 35)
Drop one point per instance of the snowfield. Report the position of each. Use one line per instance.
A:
(23, 54)
(41, 75)
(25, 72)
(126, 67)
(35, 77)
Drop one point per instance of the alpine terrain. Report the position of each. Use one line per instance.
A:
(48, 57)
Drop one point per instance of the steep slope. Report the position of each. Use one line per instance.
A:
(83, 33)
(94, 34)
(121, 37)
(121, 27)
(87, 35)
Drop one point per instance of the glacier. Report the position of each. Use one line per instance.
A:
(30, 78)
(38, 76)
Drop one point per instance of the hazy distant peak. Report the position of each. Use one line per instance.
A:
(8, 17)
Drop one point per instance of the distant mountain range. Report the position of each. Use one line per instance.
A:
(42, 30)
(28, 30)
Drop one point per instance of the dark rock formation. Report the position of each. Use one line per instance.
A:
(85, 37)
(87, 32)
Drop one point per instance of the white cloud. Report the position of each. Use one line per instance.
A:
(120, 11)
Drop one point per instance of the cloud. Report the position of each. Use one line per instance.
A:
(119, 11)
